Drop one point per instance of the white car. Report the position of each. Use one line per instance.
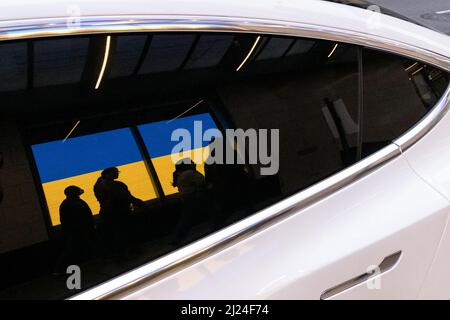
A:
(344, 193)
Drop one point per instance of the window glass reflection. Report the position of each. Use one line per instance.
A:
(209, 50)
(59, 61)
(79, 161)
(398, 93)
(158, 140)
(126, 55)
(275, 48)
(300, 47)
(13, 66)
(167, 53)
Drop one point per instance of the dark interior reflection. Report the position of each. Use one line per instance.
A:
(308, 89)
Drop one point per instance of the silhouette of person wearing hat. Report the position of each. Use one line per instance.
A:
(77, 224)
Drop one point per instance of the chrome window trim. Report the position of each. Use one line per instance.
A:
(419, 130)
(150, 272)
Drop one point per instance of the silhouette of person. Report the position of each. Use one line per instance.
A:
(191, 186)
(228, 184)
(115, 208)
(77, 224)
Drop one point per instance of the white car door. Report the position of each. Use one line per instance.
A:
(428, 159)
(325, 245)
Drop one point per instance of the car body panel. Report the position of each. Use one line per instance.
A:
(326, 244)
(429, 158)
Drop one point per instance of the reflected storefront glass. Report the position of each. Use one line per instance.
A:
(59, 61)
(158, 139)
(79, 161)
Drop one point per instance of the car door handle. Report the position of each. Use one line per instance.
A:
(387, 264)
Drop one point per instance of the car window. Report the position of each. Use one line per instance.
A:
(121, 148)
(398, 92)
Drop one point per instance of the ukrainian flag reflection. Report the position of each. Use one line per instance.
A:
(157, 139)
(80, 160)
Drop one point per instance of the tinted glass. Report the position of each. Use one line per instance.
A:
(275, 48)
(167, 53)
(127, 54)
(13, 66)
(209, 51)
(59, 61)
(321, 86)
(398, 92)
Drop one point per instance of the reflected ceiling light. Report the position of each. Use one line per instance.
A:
(105, 61)
(71, 131)
(249, 53)
(184, 112)
(416, 72)
(411, 66)
(332, 51)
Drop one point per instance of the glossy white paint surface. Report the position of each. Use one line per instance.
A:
(326, 244)
(430, 159)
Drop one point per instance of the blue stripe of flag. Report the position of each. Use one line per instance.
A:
(157, 135)
(58, 160)
(79, 155)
